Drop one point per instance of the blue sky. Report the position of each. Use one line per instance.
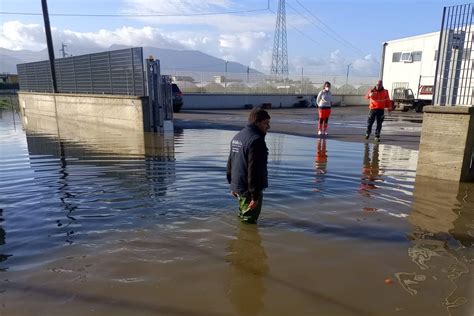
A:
(243, 37)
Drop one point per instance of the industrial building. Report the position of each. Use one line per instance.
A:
(411, 63)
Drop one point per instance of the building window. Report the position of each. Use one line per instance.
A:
(396, 57)
(416, 56)
(436, 55)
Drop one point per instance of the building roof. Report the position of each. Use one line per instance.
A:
(414, 37)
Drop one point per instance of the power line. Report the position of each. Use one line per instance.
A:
(322, 30)
(135, 15)
(305, 35)
(330, 29)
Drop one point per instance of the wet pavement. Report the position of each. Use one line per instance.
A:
(346, 123)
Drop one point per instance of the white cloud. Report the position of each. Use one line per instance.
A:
(244, 47)
(16, 35)
(224, 23)
(146, 36)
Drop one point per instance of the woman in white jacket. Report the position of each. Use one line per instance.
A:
(324, 101)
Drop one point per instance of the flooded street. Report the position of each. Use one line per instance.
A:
(96, 221)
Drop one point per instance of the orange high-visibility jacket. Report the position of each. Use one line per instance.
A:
(379, 100)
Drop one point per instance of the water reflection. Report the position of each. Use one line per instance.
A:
(94, 212)
(441, 243)
(444, 209)
(320, 164)
(371, 173)
(76, 181)
(248, 268)
(321, 158)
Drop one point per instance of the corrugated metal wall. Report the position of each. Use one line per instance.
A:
(117, 72)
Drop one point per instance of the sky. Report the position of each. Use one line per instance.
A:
(322, 35)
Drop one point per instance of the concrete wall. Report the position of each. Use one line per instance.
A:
(238, 101)
(114, 111)
(447, 141)
(100, 138)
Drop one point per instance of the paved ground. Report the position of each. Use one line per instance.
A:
(345, 123)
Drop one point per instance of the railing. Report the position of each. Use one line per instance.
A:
(257, 83)
(454, 68)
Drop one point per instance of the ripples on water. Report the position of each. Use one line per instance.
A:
(81, 189)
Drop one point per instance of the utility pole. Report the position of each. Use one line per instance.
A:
(301, 79)
(225, 76)
(49, 42)
(347, 74)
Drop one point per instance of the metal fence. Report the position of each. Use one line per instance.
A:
(453, 81)
(258, 83)
(117, 72)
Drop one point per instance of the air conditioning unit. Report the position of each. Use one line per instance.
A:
(406, 57)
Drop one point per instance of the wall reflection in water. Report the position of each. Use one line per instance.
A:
(88, 173)
(248, 268)
(442, 242)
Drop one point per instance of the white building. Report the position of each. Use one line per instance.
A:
(411, 63)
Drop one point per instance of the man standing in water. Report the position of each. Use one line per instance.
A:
(379, 100)
(247, 165)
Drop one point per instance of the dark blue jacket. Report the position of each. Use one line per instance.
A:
(247, 163)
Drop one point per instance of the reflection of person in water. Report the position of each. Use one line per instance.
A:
(370, 170)
(321, 158)
(248, 267)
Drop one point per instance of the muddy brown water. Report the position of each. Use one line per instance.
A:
(98, 222)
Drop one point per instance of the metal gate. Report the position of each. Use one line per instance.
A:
(453, 80)
(159, 96)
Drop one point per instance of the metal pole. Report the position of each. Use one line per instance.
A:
(49, 42)
(347, 74)
(434, 98)
(225, 77)
(201, 84)
(248, 77)
(301, 79)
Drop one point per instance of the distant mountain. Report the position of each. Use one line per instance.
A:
(171, 60)
(8, 64)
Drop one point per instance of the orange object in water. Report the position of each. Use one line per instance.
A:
(388, 281)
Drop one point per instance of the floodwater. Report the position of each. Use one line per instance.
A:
(102, 222)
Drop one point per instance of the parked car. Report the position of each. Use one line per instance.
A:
(177, 98)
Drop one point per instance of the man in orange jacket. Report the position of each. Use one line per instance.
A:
(379, 100)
